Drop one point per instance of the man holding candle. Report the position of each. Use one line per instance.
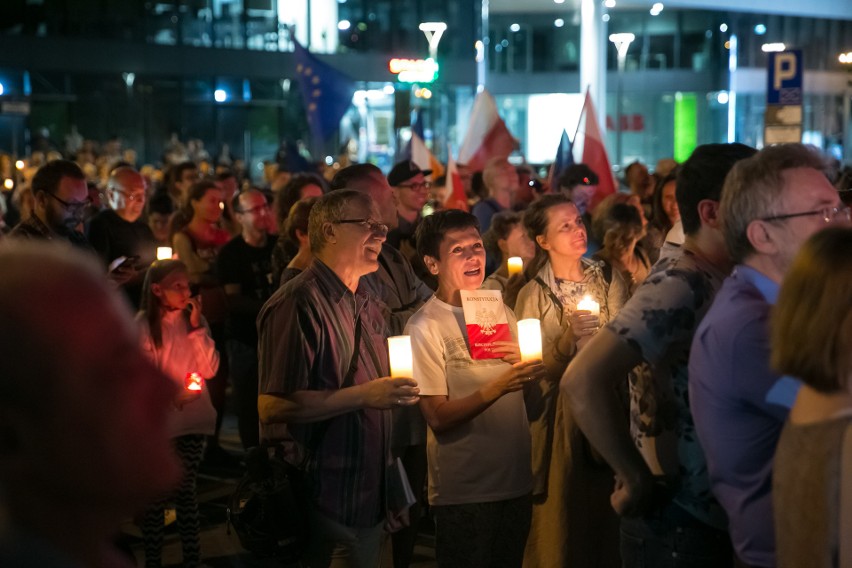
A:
(478, 441)
(669, 516)
(771, 204)
(324, 388)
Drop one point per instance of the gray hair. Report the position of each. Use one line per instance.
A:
(754, 187)
(329, 209)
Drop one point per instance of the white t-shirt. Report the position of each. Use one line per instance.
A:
(488, 458)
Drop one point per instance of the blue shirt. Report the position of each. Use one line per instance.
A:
(739, 405)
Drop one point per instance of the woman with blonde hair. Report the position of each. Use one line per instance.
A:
(812, 340)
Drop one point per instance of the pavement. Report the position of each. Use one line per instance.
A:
(220, 546)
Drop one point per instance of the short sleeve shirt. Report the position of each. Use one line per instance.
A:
(659, 322)
(306, 342)
(488, 458)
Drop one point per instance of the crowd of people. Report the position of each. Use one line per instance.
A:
(695, 416)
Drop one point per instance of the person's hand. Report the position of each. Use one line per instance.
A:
(510, 350)
(397, 522)
(185, 397)
(194, 307)
(583, 325)
(123, 274)
(633, 498)
(388, 392)
(514, 379)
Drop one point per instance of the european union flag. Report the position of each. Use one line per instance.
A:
(327, 93)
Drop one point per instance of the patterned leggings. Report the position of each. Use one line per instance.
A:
(190, 449)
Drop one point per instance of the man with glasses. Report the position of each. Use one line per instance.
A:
(244, 266)
(771, 204)
(412, 190)
(324, 389)
(120, 233)
(60, 201)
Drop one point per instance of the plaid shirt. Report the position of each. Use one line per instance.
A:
(306, 342)
(34, 228)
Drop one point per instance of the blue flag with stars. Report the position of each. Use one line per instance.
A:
(326, 92)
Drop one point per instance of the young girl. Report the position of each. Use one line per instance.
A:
(176, 337)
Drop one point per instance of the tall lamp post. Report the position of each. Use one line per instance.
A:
(622, 44)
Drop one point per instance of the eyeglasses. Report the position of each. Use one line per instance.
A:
(373, 226)
(416, 186)
(76, 208)
(255, 210)
(132, 197)
(828, 214)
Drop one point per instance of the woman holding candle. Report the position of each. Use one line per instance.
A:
(573, 523)
(478, 442)
(175, 336)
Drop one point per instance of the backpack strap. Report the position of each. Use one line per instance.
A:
(550, 293)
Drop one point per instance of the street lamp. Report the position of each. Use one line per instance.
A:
(622, 43)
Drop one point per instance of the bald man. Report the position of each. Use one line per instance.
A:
(84, 441)
(119, 232)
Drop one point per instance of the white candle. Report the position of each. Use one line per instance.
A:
(516, 265)
(529, 339)
(164, 253)
(399, 353)
(590, 305)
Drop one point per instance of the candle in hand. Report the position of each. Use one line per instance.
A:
(399, 352)
(529, 339)
(164, 253)
(193, 382)
(516, 265)
(589, 305)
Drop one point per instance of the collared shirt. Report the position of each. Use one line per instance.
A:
(306, 342)
(731, 386)
(34, 228)
(659, 321)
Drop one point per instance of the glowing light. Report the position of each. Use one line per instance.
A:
(8, 183)
(329, 160)
(723, 28)
(344, 25)
(515, 27)
(722, 98)
(164, 253)
(558, 1)
(220, 96)
(587, 303)
(609, 3)
(399, 354)
(759, 29)
(656, 9)
(529, 339)
(388, 89)
(414, 70)
(515, 265)
(423, 93)
(2, 89)
(20, 164)
(770, 47)
(558, 22)
(193, 382)
(845, 57)
(605, 17)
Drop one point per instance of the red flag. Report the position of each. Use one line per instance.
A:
(487, 136)
(589, 139)
(456, 198)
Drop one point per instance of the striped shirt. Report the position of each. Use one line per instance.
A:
(306, 342)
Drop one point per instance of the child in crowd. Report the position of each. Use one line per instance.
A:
(175, 336)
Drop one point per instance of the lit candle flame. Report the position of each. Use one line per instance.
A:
(587, 303)
(164, 253)
(515, 264)
(193, 382)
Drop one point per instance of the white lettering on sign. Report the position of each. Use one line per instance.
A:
(785, 68)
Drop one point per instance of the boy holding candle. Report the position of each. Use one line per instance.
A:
(478, 441)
